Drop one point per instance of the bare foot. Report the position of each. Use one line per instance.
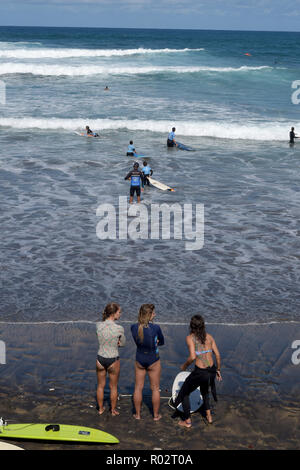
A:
(115, 413)
(157, 418)
(208, 417)
(137, 416)
(101, 411)
(185, 424)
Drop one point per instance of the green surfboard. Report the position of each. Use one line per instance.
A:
(56, 432)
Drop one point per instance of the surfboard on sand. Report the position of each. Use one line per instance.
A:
(159, 185)
(195, 397)
(56, 432)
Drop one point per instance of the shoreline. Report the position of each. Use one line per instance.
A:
(238, 424)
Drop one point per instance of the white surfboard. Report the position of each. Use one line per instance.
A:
(159, 185)
(5, 446)
(195, 397)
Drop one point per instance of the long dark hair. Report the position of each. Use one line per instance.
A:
(197, 328)
(109, 310)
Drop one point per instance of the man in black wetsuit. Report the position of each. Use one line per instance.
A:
(293, 136)
(136, 177)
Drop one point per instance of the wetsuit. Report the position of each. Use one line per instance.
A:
(147, 352)
(203, 378)
(292, 137)
(135, 180)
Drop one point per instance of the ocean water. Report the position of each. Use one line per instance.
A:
(234, 110)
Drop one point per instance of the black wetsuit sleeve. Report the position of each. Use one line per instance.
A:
(128, 176)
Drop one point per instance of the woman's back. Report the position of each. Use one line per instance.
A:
(110, 336)
(203, 351)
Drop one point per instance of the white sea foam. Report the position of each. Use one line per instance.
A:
(45, 53)
(86, 70)
(250, 130)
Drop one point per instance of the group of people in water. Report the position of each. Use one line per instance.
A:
(148, 337)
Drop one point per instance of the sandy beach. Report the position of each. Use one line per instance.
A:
(238, 424)
(50, 378)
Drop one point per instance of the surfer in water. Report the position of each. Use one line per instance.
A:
(147, 337)
(136, 177)
(171, 142)
(111, 337)
(201, 346)
(147, 171)
(131, 149)
(90, 132)
(293, 136)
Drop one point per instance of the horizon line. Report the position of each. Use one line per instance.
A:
(150, 28)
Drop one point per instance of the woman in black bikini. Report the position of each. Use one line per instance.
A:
(110, 337)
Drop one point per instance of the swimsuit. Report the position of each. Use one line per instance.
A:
(106, 362)
(147, 352)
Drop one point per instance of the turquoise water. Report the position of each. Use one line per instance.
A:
(234, 109)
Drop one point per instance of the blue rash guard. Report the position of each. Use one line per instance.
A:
(131, 149)
(147, 352)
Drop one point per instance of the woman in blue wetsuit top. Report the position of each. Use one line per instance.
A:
(147, 337)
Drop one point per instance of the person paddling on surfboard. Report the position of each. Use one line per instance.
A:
(171, 142)
(90, 132)
(201, 346)
(135, 177)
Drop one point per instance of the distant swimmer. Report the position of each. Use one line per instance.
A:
(106, 88)
(135, 177)
(171, 142)
(293, 136)
(131, 149)
(90, 132)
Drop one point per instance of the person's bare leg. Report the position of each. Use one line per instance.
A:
(140, 374)
(154, 372)
(114, 373)
(101, 379)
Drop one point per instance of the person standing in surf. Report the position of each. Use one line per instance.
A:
(131, 149)
(293, 136)
(171, 142)
(201, 346)
(111, 337)
(136, 177)
(148, 337)
(147, 171)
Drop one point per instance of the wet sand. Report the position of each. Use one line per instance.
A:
(49, 376)
(238, 424)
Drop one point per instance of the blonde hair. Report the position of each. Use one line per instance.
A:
(109, 310)
(145, 314)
